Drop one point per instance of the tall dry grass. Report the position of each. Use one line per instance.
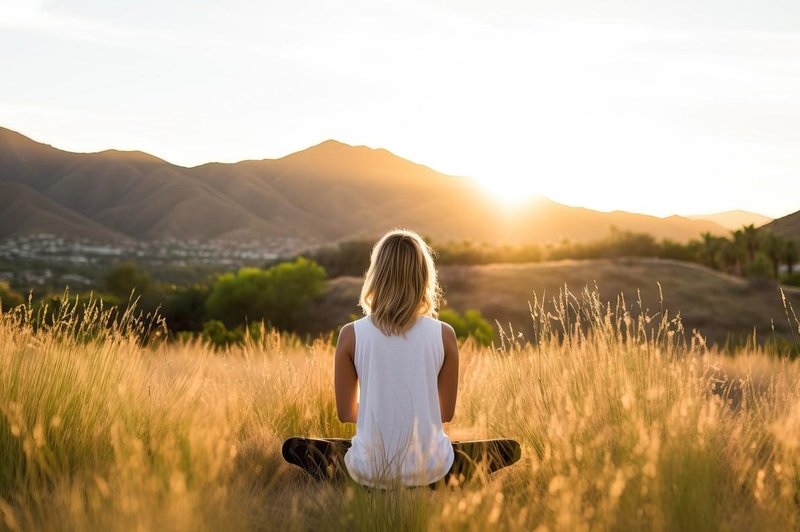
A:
(626, 422)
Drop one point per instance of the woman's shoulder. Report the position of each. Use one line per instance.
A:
(358, 324)
(438, 324)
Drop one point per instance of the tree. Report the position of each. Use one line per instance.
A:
(751, 239)
(760, 267)
(126, 277)
(709, 249)
(730, 256)
(279, 295)
(774, 249)
(184, 308)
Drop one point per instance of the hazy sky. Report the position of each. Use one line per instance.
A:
(679, 106)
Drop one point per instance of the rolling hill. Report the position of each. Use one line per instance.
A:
(787, 226)
(733, 219)
(716, 304)
(327, 192)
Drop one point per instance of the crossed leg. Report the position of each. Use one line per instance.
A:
(323, 458)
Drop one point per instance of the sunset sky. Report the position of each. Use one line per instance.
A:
(685, 106)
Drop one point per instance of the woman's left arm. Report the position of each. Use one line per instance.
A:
(345, 378)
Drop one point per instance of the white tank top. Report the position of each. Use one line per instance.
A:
(399, 436)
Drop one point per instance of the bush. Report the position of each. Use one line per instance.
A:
(216, 332)
(279, 295)
(8, 297)
(760, 267)
(472, 323)
(184, 308)
(124, 278)
(792, 280)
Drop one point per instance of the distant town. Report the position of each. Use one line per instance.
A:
(47, 261)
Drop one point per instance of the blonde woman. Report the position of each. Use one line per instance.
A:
(396, 378)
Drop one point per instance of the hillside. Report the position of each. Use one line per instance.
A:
(787, 226)
(733, 219)
(714, 303)
(327, 192)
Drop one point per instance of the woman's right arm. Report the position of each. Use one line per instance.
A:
(345, 378)
(448, 374)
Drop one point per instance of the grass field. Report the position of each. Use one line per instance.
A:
(624, 426)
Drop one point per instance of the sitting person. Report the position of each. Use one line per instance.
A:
(396, 378)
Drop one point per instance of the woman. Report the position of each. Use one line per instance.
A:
(396, 378)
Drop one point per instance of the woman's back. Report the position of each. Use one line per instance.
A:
(399, 436)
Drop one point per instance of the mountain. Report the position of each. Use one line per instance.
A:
(733, 219)
(327, 192)
(787, 226)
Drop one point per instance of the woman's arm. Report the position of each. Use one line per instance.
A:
(448, 375)
(345, 379)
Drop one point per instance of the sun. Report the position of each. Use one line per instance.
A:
(509, 192)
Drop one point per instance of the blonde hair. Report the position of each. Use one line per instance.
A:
(401, 282)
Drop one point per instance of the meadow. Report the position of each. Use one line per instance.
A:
(627, 422)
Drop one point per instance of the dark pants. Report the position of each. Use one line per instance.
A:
(324, 458)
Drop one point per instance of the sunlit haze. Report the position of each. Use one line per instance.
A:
(659, 107)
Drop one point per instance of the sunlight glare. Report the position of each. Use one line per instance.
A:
(509, 191)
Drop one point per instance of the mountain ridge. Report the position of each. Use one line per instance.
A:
(786, 226)
(733, 219)
(329, 191)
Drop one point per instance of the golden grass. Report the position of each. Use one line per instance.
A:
(623, 426)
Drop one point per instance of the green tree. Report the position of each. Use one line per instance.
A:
(774, 249)
(126, 277)
(279, 295)
(184, 308)
(709, 250)
(751, 239)
(760, 267)
(350, 257)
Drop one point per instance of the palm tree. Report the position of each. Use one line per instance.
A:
(708, 250)
(731, 256)
(774, 246)
(751, 239)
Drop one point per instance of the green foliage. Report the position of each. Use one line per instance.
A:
(125, 278)
(184, 308)
(760, 266)
(618, 243)
(345, 258)
(279, 295)
(471, 323)
(791, 279)
(8, 297)
(677, 251)
(216, 332)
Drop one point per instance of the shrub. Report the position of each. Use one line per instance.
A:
(8, 297)
(279, 295)
(472, 323)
